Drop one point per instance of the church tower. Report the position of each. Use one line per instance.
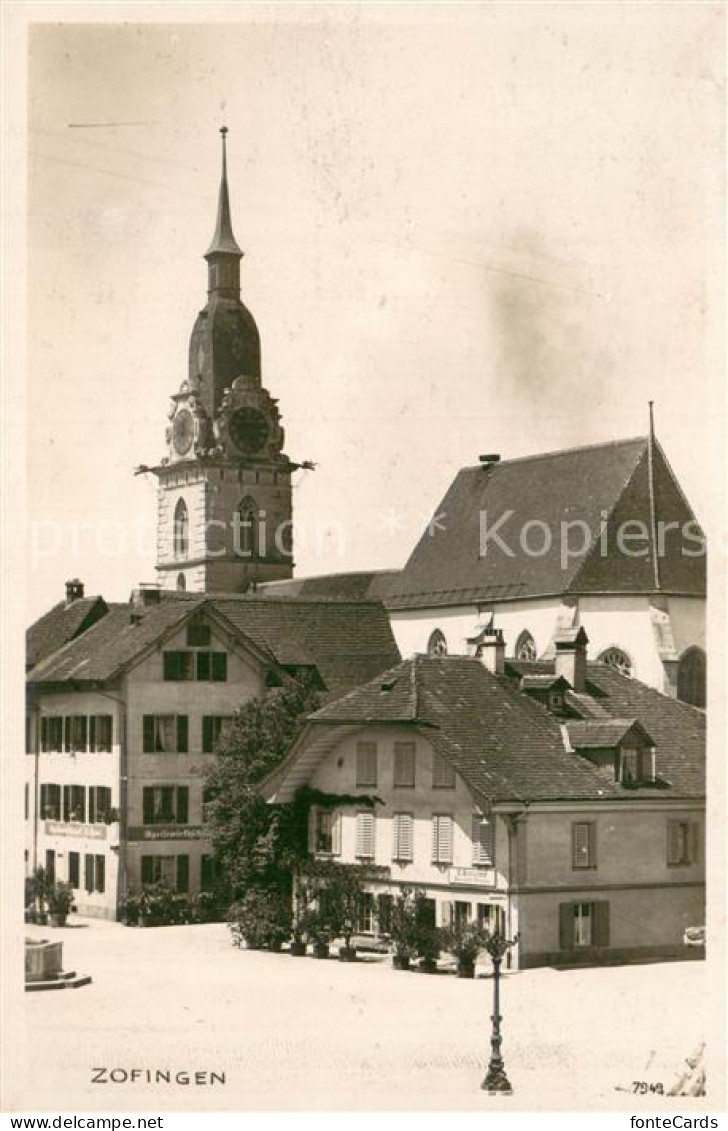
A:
(224, 500)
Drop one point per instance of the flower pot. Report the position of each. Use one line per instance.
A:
(428, 965)
(42, 919)
(320, 950)
(275, 947)
(347, 953)
(466, 969)
(298, 949)
(58, 918)
(401, 961)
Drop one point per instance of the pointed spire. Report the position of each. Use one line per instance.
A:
(223, 240)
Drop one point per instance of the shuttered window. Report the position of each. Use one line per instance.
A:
(100, 733)
(212, 665)
(183, 873)
(165, 734)
(583, 925)
(183, 739)
(442, 838)
(404, 765)
(50, 802)
(74, 869)
(95, 874)
(74, 803)
(212, 727)
(443, 774)
(365, 835)
(324, 831)
(366, 763)
(165, 805)
(483, 840)
(161, 870)
(682, 843)
(583, 844)
(402, 837)
(99, 804)
(179, 665)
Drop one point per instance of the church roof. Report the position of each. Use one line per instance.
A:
(223, 239)
(372, 584)
(458, 562)
(508, 747)
(346, 641)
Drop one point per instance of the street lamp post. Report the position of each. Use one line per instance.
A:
(495, 1078)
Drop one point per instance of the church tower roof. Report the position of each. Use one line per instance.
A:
(223, 241)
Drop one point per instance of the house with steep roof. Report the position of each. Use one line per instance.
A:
(124, 718)
(599, 536)
(560, 801)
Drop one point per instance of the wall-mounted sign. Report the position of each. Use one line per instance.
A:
(166, 832)
(473, 877)
(75, 828)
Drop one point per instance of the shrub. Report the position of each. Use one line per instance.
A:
(60, 898)
(465, 941)
(262, 918)
(403, 924)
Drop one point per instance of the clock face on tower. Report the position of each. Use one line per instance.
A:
(183, 431)
(248, 429)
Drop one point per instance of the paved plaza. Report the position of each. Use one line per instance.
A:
(298, 1033)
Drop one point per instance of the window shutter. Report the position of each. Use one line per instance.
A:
(44, 733)
(219, 666)
(365, 835)
(148, 805)
(566, 926)
(483, 837)
(600, 912)
(402, 837)
(183, 801)
(183, 873)
(582, 844)
(447, 911)
(182, 734)
(104, 738)
(66, 803)
(92, 740)
(435, 839)
(92, 804)
(147, 869)
(88, 871)
(443, 774)
(148, 728)
(312, 817)
(171, 665)
(73, 869)
(100, 874)
(336, 834)
(366, 763)
(404, 764)
(67, 733)
(208, 734)
(694, 842)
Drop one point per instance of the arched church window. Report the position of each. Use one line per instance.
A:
(616, 658)
(181, 529)
(525, 646)
(181, 583)
(437, 644)
(691, 677)
(248, 529)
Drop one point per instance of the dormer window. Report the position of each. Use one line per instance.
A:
(636, 766)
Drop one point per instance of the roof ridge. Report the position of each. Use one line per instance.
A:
(556, 452)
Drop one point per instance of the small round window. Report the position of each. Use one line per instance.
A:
(617, 659)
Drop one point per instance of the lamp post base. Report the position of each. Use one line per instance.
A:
(496, 1081)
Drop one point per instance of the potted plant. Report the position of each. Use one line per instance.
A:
(427, 935)
(60, 901)
(262, 919)
(403, 929)
(465, 941)
(320, 932)
(39, 886)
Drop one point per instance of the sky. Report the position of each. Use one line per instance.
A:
(467, 229)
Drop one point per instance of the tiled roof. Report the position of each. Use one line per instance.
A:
(60, 624)
(507, 746)
(454, 564)
(359, 585)
(595, 734)
(347, 641)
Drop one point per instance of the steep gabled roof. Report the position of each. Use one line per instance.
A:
(360, 585)
(455, 562)
(506, 746)
(62, 623)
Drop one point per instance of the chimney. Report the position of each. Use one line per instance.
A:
(74, 590)
(489, 647)
(135, 616)
(148, 593)
(489, 460)
(570, 659)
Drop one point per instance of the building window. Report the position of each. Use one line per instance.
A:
(636, 767)
(172, 871)
(181, 583)
(682, 843)
(74, 869)
(443, 774)
(483, 840)
(491, 916)
(165, 805)
(181, 529)
(100, 734)
(50, 865)
(385, 903)
(617, 659)
(583, 844)
(461, 912)
(99, 804)
(195, 665)
(325, 832)
(437, 644)
(208, 873)
(366, 763)
(212, 728)
(74, 803)
(212, 666)
(50, 802)
(165, 734)
(51, 733)
(365, 835)
(441, 838)
(525, 647)
(691, 677)
(365, 919)
(583, 925)
(94, 872)
(246, 537)
(402, 837)
(404, 765)
(179, 665)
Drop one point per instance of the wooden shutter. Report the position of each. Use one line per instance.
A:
(92, 804)
(171, 665)
(183, 873)
(100, 874)
(600, 918)
(365, 835)
(366, 763)
(44, 733)
(442, 839)
(312, 821)
(104, 733)
(67, 803)
(443, 774)
(447, 912)
(404, 764)
(208, 734)
(182, 734)
(336, 834)
(583, 844)
(566, 926)
(402, 836)
(203, 665)
(483, 838)
(694, 842)
(92, 732)
(183, 803)
(219, 666)
(149, 734)
(88, 872)
(67, 733)
(147, 869)
(73, 869)
(148, 805)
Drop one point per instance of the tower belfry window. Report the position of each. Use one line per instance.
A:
(181, 529)
(248, 526)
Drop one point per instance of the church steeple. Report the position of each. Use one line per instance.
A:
(223, 255)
